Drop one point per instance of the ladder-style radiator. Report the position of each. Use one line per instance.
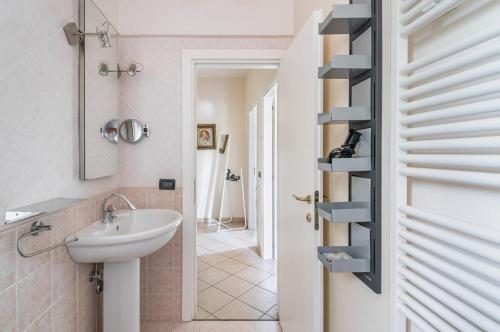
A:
(447, 269)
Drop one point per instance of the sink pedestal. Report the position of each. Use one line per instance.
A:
(121, 302)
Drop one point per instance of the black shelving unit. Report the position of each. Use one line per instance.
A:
(363, 67)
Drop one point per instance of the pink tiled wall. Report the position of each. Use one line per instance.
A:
(50, 292)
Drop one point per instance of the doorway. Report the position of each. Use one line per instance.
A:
(236, 271)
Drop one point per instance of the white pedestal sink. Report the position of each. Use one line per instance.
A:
(119, 245)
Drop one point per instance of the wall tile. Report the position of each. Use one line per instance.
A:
(136, 195)
(34, 295)
(8, 309)
(164, 281)
(7, 259)
(160, 199)
(43, 323)
(64, 312)
(86, 213)
(63, 272)
(87, 300)
(164, 307)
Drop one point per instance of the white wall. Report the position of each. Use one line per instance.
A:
(221, 101)
(155, 96)
(215, 17)
(39, 105)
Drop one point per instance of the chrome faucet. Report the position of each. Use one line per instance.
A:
(107, 212)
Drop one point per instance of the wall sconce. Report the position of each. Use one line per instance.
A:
(131, 71)
(74, 35)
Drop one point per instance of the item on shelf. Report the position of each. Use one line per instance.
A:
(337, 256)
(347, 150)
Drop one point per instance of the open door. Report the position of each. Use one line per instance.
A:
(300, 279)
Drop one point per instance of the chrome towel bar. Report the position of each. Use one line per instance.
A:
(36, 228)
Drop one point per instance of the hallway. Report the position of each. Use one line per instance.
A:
(234, 282)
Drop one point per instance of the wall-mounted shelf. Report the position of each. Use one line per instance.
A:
(362, 20)
(345, 212)
(346, 67)
(345, 19)
(350, 258)
(355, 164)
(344, 115)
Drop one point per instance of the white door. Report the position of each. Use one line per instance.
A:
(252, 168)
(299, 140)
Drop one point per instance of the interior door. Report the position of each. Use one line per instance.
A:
(299, 142)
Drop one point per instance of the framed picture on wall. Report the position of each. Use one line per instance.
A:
(206, 136)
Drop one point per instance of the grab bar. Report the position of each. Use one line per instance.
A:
(36, 228)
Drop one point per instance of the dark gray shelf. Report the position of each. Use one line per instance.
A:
(345, 67)
(355, 164)
(344, 115)
(345, 19)
(345, 212)
(358, 263)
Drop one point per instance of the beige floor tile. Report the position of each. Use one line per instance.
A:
(201, 313)
(201, 251)
(201, 285)
(212, 275)
(232, 253)
(218, 247)
(231, 266)
(213, 258)
(201, 240)
(270, 284)
(213, 299)
(253, 275)
(249, 259)
(267, 327)
(201, 265)
(267, 265)
(260, 299)
(238, 310)
(234, 286)
(273, 312)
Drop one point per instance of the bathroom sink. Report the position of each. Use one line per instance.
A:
(119, 244)
(132, 234)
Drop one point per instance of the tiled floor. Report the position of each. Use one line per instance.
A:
(234, 282)
(211, 326)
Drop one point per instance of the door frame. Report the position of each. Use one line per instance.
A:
(233, 59)
(252, 167)
(267, 208)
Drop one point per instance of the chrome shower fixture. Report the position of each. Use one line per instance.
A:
(74, 35)
(131, 71)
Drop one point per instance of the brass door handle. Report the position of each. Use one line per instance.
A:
(306, 199)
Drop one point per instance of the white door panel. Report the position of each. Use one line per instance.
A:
(299, 140)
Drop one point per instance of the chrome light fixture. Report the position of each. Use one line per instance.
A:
(74, 35)
(131, 71)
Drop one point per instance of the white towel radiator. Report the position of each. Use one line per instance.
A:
(447, 264)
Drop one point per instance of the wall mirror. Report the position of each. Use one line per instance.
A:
(98, 94)
(132, 131)
(219, 177)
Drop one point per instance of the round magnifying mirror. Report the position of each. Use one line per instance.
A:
(131, 131)
(110, 131)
